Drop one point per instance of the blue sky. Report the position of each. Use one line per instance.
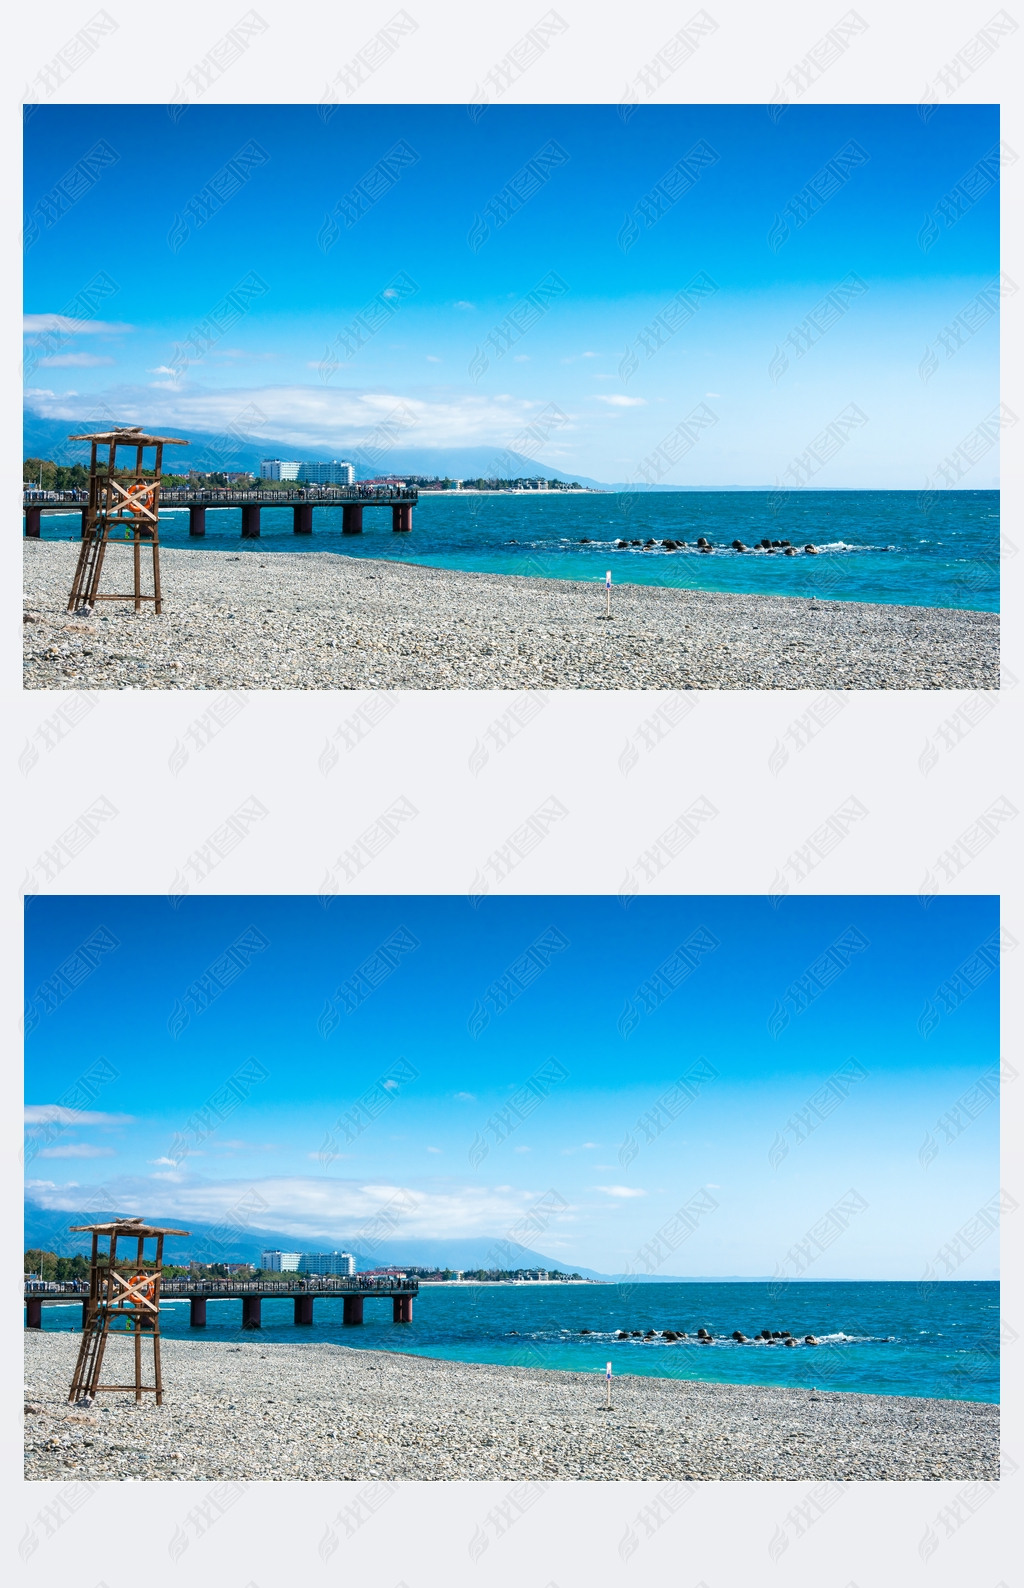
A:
(583, 212)
(444, 1030)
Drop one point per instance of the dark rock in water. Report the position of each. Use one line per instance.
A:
(636, 543)
(584, 541)
(790, 1341)
(649, 541)
(785, 542)
(809, 1339)
(789, 552)
(812, 551)
(668, 1334)
(766, 1334)
(623, 1334)
(786, 1334)
(776, 1334)
(635, 1333)
(706, 551)
(776, 543)
(586, 1331)
(701, 1333)
(708, 1340)
(669, 545)
(738, 1335)
(764, 544)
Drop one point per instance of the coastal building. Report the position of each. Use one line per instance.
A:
(327, 1263)
(333, 473)
(280, 1262)
(279, 469)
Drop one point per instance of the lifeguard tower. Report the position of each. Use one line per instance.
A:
(121, 1289)
(129, 506)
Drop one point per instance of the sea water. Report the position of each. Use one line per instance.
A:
(933, 1340)
(914, 548)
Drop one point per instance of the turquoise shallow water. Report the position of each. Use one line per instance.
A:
(881, 1338)
(937, 549)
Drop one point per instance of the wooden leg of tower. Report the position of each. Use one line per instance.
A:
(81, 575)
(138, 1358)
(157, 1378)
(137, 560)
(97, 569)
(158, 604)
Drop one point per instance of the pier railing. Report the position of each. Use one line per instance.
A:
(230, 496)
(302, 1284)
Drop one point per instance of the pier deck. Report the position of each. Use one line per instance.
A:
(251, 1293)
(352, 499)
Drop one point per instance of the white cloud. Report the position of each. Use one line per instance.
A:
(521, 358)
(617, 400)
(162, 369)
(465, 1097)
(77, 1150)
(433, 359)
(73, 360)
(55, 1114)
(312, 1208)
(435, 1149)
(460, 303)
(313, 416)
(620, 1191)
(712, 394)
(39, 324)
(522, 1149)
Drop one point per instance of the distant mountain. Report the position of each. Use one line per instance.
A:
(48, 438)
(208, 1243)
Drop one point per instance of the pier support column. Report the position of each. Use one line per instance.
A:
(302, 518)
(401, 1309)
(197, 520)
(85, 1316)
(251, 521)
(401, 517)
(32, 515)
(197, 1312)
(303, 1309)
(353, 1310)
(33, 1313)
(352, 518)
(250, 1312)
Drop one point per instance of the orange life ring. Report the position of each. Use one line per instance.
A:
(144, 1285)
(144, 493)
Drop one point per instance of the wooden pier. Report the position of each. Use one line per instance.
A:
(352, 499)
(250, 1292)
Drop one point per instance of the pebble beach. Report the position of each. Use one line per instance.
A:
(274, 1412)
(320, 620)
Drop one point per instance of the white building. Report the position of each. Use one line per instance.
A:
(281, 1262)
(327, 1263)
(333, 473)
(279, 469)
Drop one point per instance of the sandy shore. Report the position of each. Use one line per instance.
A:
(318, 620)
(316, 1411)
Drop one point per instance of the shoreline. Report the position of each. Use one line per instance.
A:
(322, 620)
(318, 1411)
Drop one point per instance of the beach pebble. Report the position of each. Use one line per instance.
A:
(320, 620)
(328, 1413)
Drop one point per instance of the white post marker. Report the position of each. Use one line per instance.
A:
(608, 1387)
(608, 594)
